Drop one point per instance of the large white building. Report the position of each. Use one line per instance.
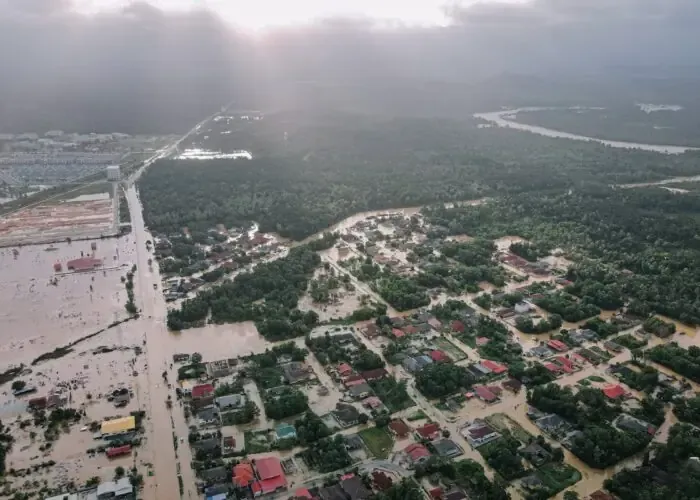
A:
(113, 173)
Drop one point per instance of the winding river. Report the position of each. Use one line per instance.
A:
(507, 118)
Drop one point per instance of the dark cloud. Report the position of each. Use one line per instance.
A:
(144, 69)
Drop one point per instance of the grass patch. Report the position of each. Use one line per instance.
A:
(557, 477)
(502, 422)
(450, 349)
(256, 442)
(417, 415)
(596, 378)
(378, 441)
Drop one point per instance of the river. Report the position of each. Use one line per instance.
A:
(507, 119)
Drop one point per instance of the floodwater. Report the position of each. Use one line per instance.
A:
(38, 316)
(507, 119)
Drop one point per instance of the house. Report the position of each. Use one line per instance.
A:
(360, 391)
(118, 451)
(399, 428)
(269, 472)
(614, 391)
(435, 323)
(410, 329)
(285, 431)
(354, 380)
(397, 333)
(565, 362)
(480, 368)
(485, 394)
(208, 415)
(217, 492)
(215, 474)
(206, 444)
(558, 345)
(372, 402)
(303, 493)
(455, 495)
(355, 489)
(333, 492)
(479, 433)
(353, 442)
(429, 431)
(381, 481)
(552, 368)
(118, 426)
(416, 453)
(439, 357)
(346, 414)
(632, 424)
(198, 404)
(121, 490)
(229, 443)
(536, 454)
(613, 346)
(230, 402)
(600, 495)
(416, 364)
(565, 368)
(457, 326)
(371, 331)
(550, 422)
(436, 493)
(512, 385)
(243, 474)
(296, 372)
(531, 483)
(344, 370)
(447, 448)
(540, 352)
(201, 391)
(522, 307)
(581, 335)
(376, 374)
(494, 366)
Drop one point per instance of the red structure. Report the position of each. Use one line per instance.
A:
(83, 264)
(201, 391)
(57, 267)
(429, 431)
(495, 367)
(119, 451)
(270, 472)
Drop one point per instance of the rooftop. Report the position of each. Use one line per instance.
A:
(118, 425)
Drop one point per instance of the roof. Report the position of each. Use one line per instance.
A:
(381, 480)
(243, 474)
(614, 391)
(230, 400)
(479, 431)
(558, 345)
(601, 495)
(375, 374)
(480, 368)
(303, 493)
(221, 496)
(397, 333)
(334, 492)
(199, 391)
(552, 367)
(399, 427)
(268, 468)
(354, 487)
(428, 430)
(482, 341)
(359, 389)
(564, 361)
(83, 263)
(285, 431)
(447, 448)
(457, 326)
(439, 356)
(416, 451)
(494, 366)
(121, 487)
(436, 493)
(118, 425)
(485, 394)
(344, 368)
(512, 384)
(119, 450)
(372, 402)
(410, 329)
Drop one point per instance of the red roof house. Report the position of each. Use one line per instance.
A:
(119, 451)
(439, 357)
(614, 391)
(271, 475)
(398, 333)
(436, 493)
(410, 330)
(482, 341)
(376, 374)
(303, 493)
(344, 369)
(417, 452)
(485, 394)
(381, 481)
(372, 402)
(564, 361)
(399, 428)
(429, 431)
(495, 367)
(457, 326)
(552, 367)
(558, 345)
(202, 391)
(243, 474)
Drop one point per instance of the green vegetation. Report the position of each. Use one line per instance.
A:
(378, 441)
(670, 473)
(467, 474)
(284, 402)
(499, 347)
(327, 454)
(406, 489)
(629, 341)
(685, 362)
(528, 251)
(278, 284)
(392, 393)
(644, 236)
(310, 428)
(526, 325)
(659, 327)
(439, 380)
(245, 415)
(417, 415)
(688, 410)
(567, 307)
(401, 293)
(502, 455)
(129, 284)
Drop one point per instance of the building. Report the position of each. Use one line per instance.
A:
(83, 264)
(113, 173)
(270, 474)
(243, 474)
(344, 370)
(303, 493)
(522, 307)
(333, 492)
(118, 426)
(416, 364)
(285, 431)
(558, 345)
(208, 415)
(230, 402)
(372, 402)
(485, 394)
(614, 391)
(215, 474)
(346, 414)
(447, 448)
(457, 326)
(201, 391)
(399, 428)
(65, 496)
(355, 489)
(632, 424)
(416, 453)
(296, 372)
(118, 490)
(439, 357)
(118, 451)
(494, 366)
(360, 391)
(512, 385)
(479, 433)
(429, 431)
(376, 374)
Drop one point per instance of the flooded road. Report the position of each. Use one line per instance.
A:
(506, 119)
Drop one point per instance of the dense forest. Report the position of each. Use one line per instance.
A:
(334, 165)
(634, 246)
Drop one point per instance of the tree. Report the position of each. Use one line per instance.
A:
(119, 472)
(18, 385)
(571, 495)
(196, 358)
(363, 418)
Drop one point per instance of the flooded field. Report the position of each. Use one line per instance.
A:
(42, 309)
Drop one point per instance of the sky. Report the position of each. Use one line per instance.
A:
(261, 14)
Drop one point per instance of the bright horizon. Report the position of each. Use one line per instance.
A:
(262, 14)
